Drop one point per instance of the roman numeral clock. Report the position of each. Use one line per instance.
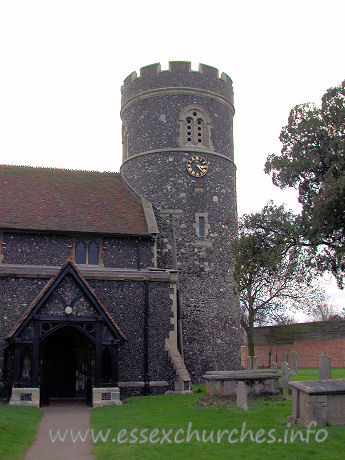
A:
(197, 166)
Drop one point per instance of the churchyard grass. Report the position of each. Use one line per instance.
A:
(313, 374)
(175, 412)
(18, 428)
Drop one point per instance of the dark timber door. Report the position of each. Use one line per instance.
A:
(58, 365)
(66, 372)
(61, 372)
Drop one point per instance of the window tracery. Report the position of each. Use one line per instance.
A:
(195, 128)
(87, 252)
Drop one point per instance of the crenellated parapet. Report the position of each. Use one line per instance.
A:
(179, 76)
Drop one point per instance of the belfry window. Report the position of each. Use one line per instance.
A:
(201, 226)
(195, 128)
(87, 252)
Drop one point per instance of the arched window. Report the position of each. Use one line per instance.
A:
(87, 252)
(195, 128)
(80, 252)
(93, 253)
(124, 142)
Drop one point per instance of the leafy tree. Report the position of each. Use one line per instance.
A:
(272, 272)
(312, 160)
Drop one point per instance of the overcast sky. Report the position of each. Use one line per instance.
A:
(62, 64)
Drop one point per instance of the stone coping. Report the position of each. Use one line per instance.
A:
(320, 387)
(242, 375)
(243, 371)
(93, 273)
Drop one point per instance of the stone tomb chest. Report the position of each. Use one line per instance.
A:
(322, 401)
(258, 381)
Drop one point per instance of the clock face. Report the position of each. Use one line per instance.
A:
(197, 166)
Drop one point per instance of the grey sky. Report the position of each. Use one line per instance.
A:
(62, 65)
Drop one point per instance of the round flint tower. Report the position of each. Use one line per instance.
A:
(178, 153)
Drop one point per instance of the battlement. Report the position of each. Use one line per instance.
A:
(179, 75)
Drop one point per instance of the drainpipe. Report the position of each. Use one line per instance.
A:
(138, 253)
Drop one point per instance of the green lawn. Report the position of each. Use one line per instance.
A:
(313, 374)
(18, 428)
(175, 412)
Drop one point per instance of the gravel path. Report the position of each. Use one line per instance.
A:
(68, 420)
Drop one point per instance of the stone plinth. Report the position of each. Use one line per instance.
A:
(322, 401)
(29, 397)
(107, 396)
(259, 381)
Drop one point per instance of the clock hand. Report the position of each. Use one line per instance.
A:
(202, 168)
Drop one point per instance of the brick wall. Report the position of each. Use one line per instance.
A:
(306, 339)
(307, 352)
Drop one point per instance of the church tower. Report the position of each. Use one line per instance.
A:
(178, 153)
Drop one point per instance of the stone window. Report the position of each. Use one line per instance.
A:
(87, 252)
(124, 142)
(195, 128)
(201, 224)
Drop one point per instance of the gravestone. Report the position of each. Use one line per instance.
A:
(273, 365)
(285, 370)
(324, 367)
(293, 363)
(252, 362)
(242, 396)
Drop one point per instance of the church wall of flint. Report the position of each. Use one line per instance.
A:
(36, 249)
(16, 295)
(123, 299)
(210, 310)
(159, 127)
(33, 249)
(152, 104)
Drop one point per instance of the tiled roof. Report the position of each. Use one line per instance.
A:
(68, 200)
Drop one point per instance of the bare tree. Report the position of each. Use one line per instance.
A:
(323, 311)
(273, 273)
